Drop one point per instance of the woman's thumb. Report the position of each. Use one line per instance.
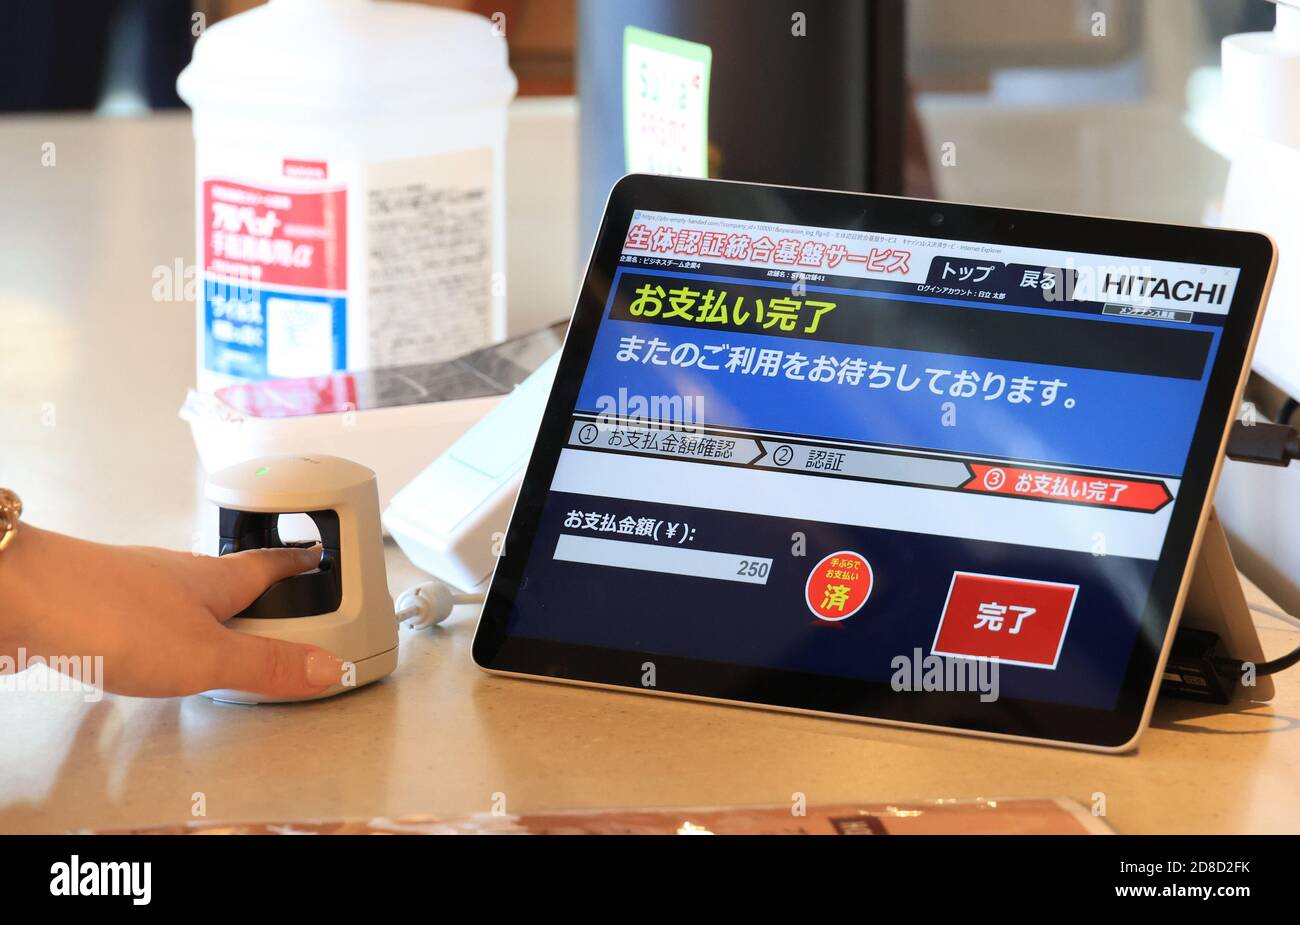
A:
(275, 668)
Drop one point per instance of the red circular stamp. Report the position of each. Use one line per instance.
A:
(839, 585)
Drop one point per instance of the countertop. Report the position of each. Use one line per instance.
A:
(93, 368)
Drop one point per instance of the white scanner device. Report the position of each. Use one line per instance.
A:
(344, 605)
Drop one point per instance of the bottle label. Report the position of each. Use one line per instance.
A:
(311, 267)
(430, 291)
(275, 275)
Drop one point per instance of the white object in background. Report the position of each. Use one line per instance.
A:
(361, 629)
(449, 521)
(396, 442)
(393, 419)
(350, 187)
(1261, 91)
(1261, 88)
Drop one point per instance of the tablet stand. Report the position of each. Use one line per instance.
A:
(1216, 602)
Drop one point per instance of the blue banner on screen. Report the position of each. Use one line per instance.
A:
(1069, 415)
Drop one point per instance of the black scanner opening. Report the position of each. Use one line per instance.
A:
(307, 595)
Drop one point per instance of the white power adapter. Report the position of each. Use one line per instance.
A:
(449, 518)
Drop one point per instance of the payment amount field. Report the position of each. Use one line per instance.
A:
(671, 560)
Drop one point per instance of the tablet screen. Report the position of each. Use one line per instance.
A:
(864, 455)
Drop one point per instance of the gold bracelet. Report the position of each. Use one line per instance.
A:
(11, 508)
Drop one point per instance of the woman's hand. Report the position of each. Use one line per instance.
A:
(155, 616)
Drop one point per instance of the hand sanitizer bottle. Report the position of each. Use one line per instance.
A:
(349, 186)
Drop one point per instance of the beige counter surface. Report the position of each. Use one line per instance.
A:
(92, 371)
(440, 737)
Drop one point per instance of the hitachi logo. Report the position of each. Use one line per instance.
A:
(1157, 287)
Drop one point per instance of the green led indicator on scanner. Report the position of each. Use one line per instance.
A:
(262, 470)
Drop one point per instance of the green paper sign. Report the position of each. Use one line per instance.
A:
(665, 104)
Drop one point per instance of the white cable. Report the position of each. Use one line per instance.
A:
(1277, 613)
(429, 603)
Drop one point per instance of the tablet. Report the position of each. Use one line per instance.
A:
(911, 462)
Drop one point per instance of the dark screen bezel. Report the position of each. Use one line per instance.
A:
(495, 650)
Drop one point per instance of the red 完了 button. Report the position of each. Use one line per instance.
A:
(1018, 621)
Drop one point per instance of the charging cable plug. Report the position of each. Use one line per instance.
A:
(430, 603)
(1264, 443)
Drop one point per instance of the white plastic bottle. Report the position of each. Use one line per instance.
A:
(350, 187)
